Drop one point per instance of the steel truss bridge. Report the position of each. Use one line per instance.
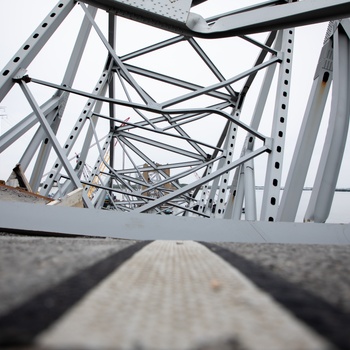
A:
(164, 129)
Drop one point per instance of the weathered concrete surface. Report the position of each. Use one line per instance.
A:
(16, 194)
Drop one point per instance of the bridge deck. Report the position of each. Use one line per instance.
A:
(93, 293)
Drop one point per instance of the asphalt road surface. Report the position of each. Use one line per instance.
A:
(95, 293)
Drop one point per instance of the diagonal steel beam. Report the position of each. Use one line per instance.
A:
(33, 45)
(51, 135)
(201, 181)
(270, 18)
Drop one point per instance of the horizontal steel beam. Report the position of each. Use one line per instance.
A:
(267, 16)
(25, 218)
(270, 18)
(156, 108)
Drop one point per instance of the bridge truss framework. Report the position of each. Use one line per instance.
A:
(158, 134)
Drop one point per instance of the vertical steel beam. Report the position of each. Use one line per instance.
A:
(95, 173)
(111, 41)
(231, 133)
(222, 188)
(238, 193)
(274, 167)
(307, 135)
(332, 154)
(235, 199)
(205, 203)
(249, 190)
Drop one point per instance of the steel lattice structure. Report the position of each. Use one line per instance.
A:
(151, 137)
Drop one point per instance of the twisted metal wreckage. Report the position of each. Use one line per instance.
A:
(144, 132)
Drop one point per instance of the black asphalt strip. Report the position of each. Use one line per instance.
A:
(325, 319)
(21, 325)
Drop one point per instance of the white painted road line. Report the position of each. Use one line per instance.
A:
(178, 295)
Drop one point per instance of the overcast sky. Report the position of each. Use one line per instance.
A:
(19, 18)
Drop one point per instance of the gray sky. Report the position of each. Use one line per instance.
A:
(19, 18)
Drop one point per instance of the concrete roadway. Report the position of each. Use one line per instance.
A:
(95, 293)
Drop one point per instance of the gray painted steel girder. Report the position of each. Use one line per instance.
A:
(269, 18)
(33, 45)
(266, 17)
(42, 219)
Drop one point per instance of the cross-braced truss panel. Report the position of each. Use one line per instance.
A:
(161, 124)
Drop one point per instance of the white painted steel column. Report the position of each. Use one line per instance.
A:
(307, 136)
(204, 204)
(223, 188)
(249, 191)
(332, 154)
(235, 198)
(274, 167)
(238, 195)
